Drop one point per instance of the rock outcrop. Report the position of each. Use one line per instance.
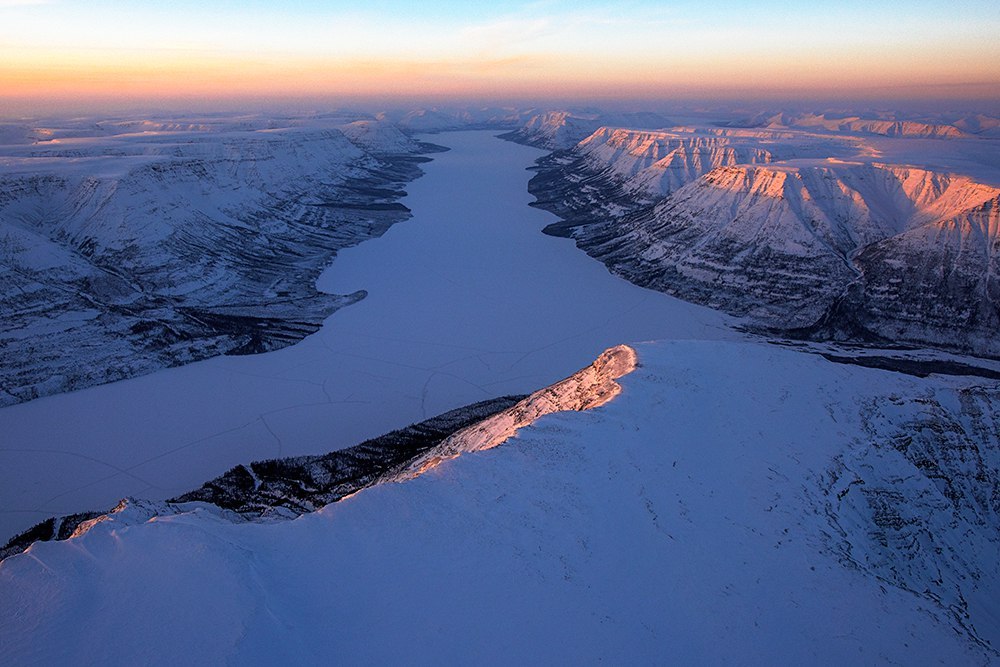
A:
(286, 488)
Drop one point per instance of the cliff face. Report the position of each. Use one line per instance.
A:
(658, 163)
(828, 247)
(586, 389)
(935, 283)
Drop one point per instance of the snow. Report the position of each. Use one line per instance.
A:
(466, 301)
(379, 136)
(673, 524)
(586, 389)
(720, 501)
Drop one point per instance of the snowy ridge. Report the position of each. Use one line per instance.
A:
(287, 488)
(586, 389)
(379, 137)
(844, 206)
(555, 129)
(660, 162)
(454, 118)
(885, 126)
(981, 124)
(891, 128)
(279, 488)
(831, 514)
(562, 129)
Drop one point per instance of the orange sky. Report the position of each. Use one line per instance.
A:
(110, 50)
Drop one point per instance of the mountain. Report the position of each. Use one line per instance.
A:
(793, 231)
(430, 120)
(563, 129)
(555, 129)
(128, 246)
(690, 512)
(884, 126)
(380, 138)
(981, 124)
(657, 163)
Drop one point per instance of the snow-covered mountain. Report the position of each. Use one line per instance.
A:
(131, 245)
(980, 124)
(555, 129)
(691, 513)
(794, 230)
(447, 118)
(380, 138)
(657, 163)
(563, 129)
(883, 124)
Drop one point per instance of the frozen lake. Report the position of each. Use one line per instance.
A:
(466, 301)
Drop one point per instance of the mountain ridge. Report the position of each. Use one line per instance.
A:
(814, 239)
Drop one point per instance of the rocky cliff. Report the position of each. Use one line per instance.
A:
(825, 246)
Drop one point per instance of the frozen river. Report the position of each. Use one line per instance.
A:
(466, 301)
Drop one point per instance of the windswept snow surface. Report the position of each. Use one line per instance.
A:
(701, 517)
(466, 301)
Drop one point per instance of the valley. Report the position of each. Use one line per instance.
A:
(466, 301)
(801, 456)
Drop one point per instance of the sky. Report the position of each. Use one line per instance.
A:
(92, 50)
